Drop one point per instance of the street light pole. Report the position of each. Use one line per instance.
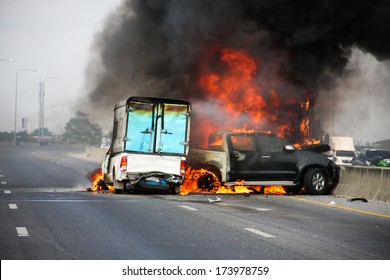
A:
(42, 109)
(6, 59)
(16, 96)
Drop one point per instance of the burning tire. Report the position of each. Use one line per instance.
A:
(210, 179)
(316, 182)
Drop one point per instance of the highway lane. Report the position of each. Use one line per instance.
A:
(46, 213)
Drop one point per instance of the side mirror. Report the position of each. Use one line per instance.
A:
(289, 148)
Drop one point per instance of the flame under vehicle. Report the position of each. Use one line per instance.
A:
(149, 145)
(262, 159)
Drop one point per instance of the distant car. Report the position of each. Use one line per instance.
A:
(373, 157)
(341, 157)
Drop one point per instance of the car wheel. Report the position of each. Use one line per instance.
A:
(118, 185)
(206, 181)
(315, 182)
(174, 189)
(210, 179)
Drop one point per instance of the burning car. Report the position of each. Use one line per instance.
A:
(149, 145)
(258, 159)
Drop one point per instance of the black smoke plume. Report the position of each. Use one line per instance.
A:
(153, 47)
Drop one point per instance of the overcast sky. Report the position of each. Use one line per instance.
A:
(54, 37)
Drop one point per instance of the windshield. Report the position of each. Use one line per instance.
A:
(381, 153)
(345, 154)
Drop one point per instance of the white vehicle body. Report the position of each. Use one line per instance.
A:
(149, 144)
(342, 150)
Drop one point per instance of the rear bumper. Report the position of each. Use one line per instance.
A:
(153, 180)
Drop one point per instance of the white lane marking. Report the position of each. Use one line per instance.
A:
(12, 206)
(22, 231)
(264, 234)
(262, 209)
(1, 175)
(189, 208)
(3, 183)
(7, 191)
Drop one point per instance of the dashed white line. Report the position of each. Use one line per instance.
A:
(12, 206)
(22, 231)
(264, 234)
(1, 175)
(189, 208)
(3, 183)
(262, 209)
(7, 191)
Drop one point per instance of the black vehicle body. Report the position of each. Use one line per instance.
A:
(264, 159)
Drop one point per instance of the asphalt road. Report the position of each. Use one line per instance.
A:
(46, 213)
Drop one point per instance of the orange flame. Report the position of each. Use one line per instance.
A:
(274, 190)
(191, 186)
(98, 184)
(249, 97)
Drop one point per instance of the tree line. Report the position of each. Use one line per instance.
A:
(77, 130)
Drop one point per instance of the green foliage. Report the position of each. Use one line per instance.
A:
(6, 136)
(80, 130)
(37, 132)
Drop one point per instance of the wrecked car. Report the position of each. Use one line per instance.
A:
(372, 157)
(264, 159)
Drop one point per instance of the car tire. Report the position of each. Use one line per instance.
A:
(118, 187)
(315, 182)
(175, 189)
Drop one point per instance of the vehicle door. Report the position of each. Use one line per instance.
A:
(172, 129)
(243, 157)
(275, 162)
(141, 127)
(157, 128)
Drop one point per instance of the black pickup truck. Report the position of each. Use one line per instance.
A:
(264, 159)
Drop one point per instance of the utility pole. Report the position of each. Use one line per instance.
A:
(42, 141)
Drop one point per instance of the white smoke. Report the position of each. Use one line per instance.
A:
(361, 100)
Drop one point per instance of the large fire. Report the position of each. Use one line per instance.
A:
(248, 95)
(247, 98)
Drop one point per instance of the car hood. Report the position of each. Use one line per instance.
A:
(317, 148)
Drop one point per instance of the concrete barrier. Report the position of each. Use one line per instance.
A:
(364, 182)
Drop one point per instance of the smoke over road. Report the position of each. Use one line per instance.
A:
(162, 48)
